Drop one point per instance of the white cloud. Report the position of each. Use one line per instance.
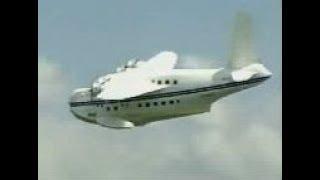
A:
(52, 83)
(223, 144)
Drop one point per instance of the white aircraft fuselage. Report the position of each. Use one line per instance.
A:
(192, 91)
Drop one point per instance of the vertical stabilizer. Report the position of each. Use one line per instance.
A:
(242, 50)
(244, 63)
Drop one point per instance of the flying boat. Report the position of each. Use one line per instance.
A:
(145, 91)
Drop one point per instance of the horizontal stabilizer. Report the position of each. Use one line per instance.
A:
(247, 72)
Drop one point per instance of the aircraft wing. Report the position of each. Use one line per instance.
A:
(136, 81)
(161, 62)
(128, 84)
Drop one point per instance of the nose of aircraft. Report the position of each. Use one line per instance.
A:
(72, 100)
(78, 96)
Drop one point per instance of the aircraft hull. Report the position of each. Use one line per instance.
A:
(162, 106)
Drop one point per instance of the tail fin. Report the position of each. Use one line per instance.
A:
(242, 51)
(243, 61)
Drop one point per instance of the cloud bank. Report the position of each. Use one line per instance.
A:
(238, 139)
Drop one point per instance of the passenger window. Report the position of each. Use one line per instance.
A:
(155, 103)
(163, 103)
(139, 105)
(167, 81)
(175, 82)
(178, 101)
(115, 108)
(171, 102)
(159, 82)
(108, 108)
(147, 104)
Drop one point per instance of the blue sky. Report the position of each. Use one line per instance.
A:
(80, 39)
(97, 36)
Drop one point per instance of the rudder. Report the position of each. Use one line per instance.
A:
(242, 50)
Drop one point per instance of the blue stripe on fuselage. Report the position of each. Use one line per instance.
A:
(170, 94)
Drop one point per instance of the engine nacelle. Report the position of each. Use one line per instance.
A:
(120, 69)
(98, 84)
(132, 63)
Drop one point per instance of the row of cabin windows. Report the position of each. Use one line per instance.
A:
(147, 104)
(114, 108)
(162, 103)
(165, 82)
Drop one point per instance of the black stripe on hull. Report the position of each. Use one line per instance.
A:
(171, 94)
